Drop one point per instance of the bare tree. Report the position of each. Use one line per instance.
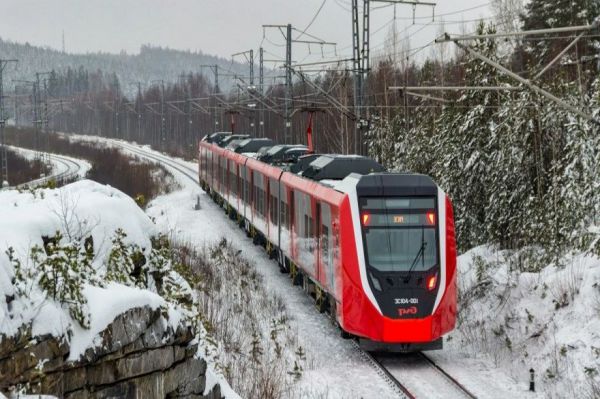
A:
(506, 14)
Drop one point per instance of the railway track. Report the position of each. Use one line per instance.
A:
(188, 172)
(71, 169)
(409, 375)
(416, 375)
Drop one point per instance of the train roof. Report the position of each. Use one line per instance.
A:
(253, 145)
(333, 170)
(228, 139)
(303, 162)
(277, 152)
(215, 137)
(337, 167)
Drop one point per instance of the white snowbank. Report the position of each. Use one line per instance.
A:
(81, 209)
(105, 305)
(548, 321)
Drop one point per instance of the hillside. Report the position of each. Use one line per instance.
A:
(152, 63)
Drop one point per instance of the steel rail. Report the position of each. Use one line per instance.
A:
(448, 376)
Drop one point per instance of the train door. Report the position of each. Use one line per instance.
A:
(292, 224)
(267, 204)
(326, 246)
(201, 164)
(281, 197)
(233, 185)
(243, 188)
(273, 194)
(218, 178)
(225, 183)
(211, 170)
(317, 241)
(251, 176)
(208, 169)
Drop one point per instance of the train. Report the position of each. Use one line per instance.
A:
(375, 249)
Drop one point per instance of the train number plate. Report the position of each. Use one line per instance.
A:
(406, 301)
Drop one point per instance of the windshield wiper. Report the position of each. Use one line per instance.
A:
(420, 254)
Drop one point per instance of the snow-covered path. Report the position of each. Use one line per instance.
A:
(338, 370)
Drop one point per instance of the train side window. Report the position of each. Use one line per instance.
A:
(289, 210)
(282, 215)
(262, 202)
(224, 173)
(257, 204)
(325, 245)
(306, 224)
(233, 182)
(273, 210)
(298, 217)
(246, 180)
(255, 198)
(310, 234)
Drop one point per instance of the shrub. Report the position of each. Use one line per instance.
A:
(125, 262)
(60, 270)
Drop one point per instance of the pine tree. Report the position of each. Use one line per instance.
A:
(125, 262)
(463, 150)
(544, 14)
(64, 268)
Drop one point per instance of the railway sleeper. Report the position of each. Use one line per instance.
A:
(284, 263)
(321, 299)
(270, 248)
(295, 274)
(308, 286)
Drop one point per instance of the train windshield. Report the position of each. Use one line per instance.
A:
(399, 233)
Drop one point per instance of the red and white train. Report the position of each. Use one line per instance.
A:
(377, 250)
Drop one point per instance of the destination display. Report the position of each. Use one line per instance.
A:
(398, 219)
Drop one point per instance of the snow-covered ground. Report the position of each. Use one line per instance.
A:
(78, 210)
(515, 321)
(337, 368)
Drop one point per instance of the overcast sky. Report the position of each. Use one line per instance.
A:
(220, 27)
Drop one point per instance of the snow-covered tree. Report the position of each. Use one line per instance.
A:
(125, 262)
(63, 269)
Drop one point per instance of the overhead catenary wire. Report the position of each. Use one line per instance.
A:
(437, 15)
(312, 20)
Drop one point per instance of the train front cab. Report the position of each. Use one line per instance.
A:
(399, 262)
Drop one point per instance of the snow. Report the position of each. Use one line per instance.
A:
(105, 305)
(84, 207)
(548, 321)
(213, 378)
(81, 208)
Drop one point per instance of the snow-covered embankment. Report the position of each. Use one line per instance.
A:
(91, 302)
